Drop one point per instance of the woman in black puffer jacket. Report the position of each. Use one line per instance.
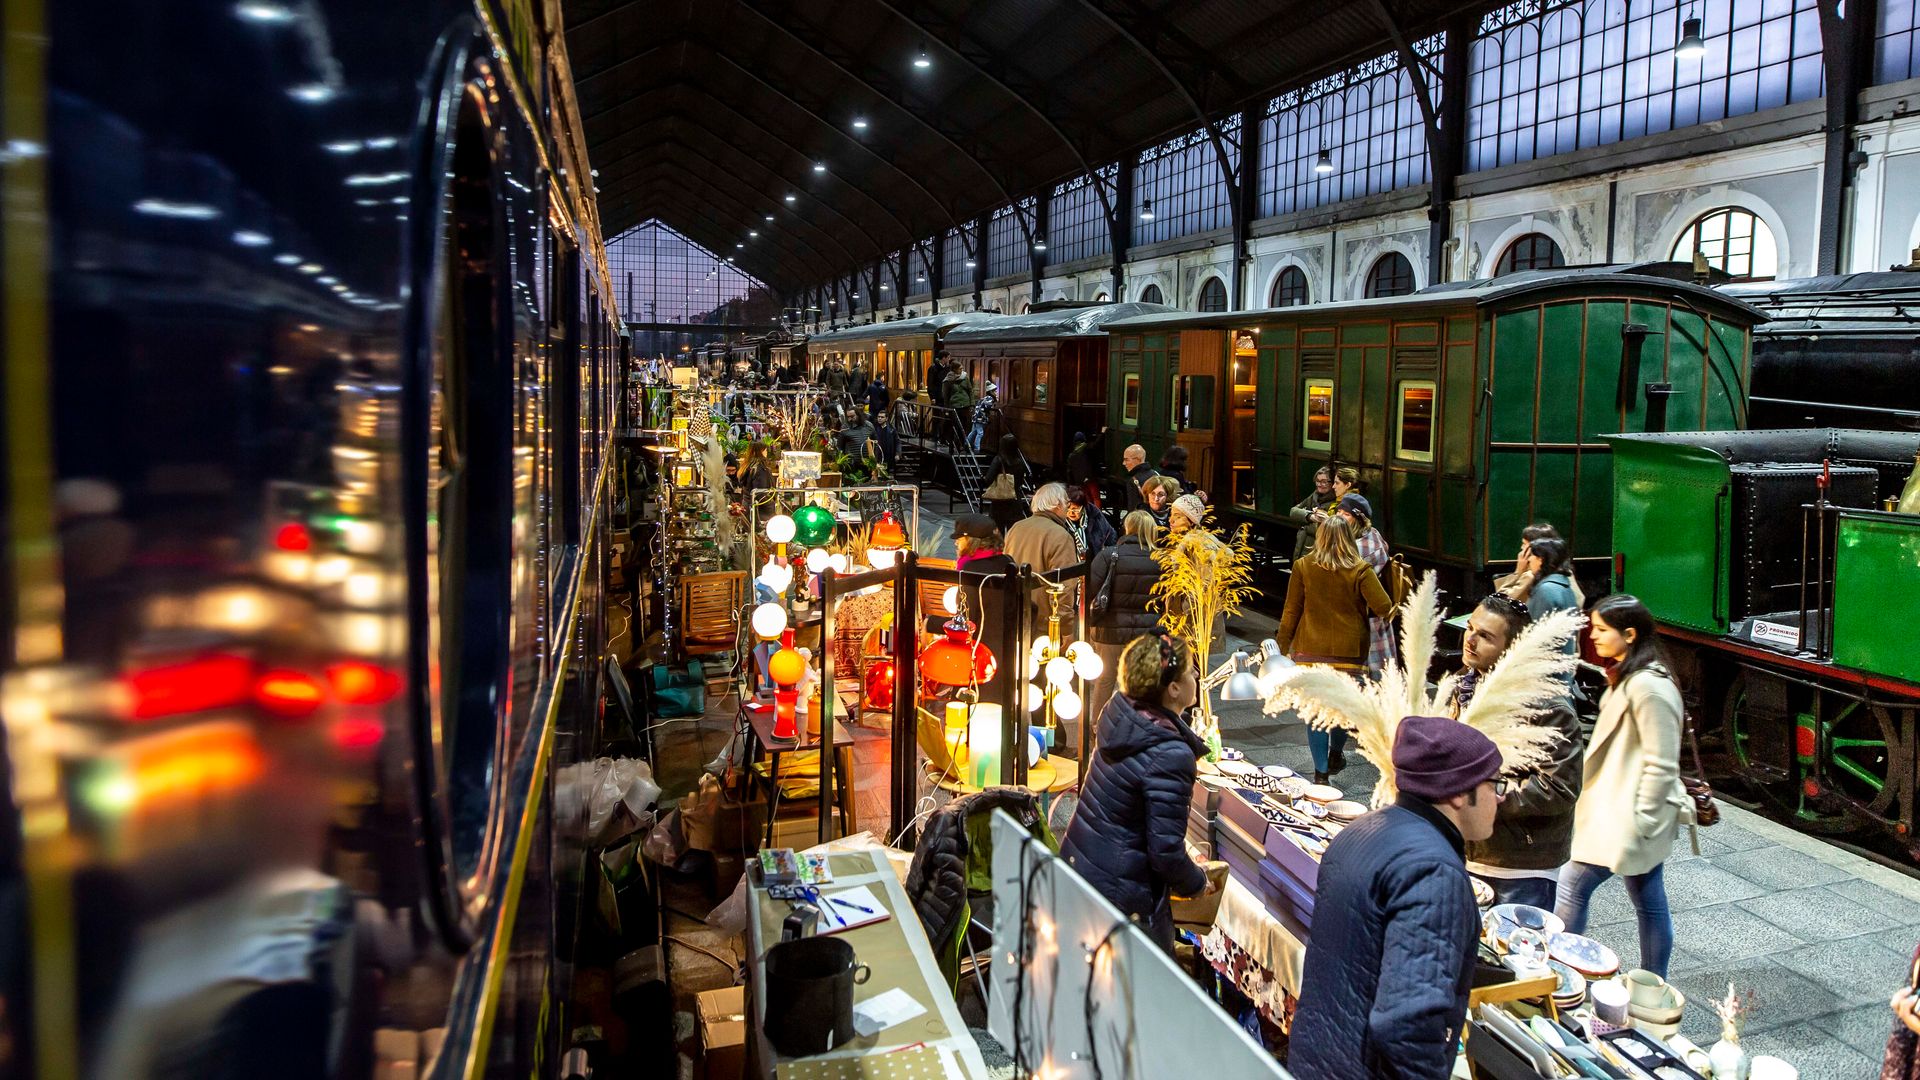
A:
(1119, 585)
(1128, 837)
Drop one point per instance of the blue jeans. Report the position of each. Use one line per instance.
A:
(1648, 892)
(1323, 743)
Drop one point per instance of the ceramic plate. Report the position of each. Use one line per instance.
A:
(1324, 793)
(1345, 809)
(1234, 767)
(1482, 892)
(1294, 787)
(1573, 985)
(1278, 772)
(1583, 954)
(1508, 916)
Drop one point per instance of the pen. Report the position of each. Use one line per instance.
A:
(849, 904)
(826, 909)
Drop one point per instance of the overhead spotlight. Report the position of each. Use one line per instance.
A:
(920, 277)
(884, 287)
(311, 93)
(1040, 243)
(753, 232)
(970, 263)
(860, 123)
(789, 198)
(1690, 46)
(738, 246)
(263, 11)
(923, 61)
(1324, 163)
(1146, 210)
(769, 217)
(819, 166)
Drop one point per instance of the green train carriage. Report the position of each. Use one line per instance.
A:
(1787, 593)
(1470, 410)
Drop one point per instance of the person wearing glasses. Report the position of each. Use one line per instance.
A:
(1395, 927)
(1631, 799)
(1533, 833)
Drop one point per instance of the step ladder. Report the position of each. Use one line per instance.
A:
(971, 469)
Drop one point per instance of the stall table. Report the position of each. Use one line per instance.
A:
(897, 951)
(760, 720)
(1257, 951)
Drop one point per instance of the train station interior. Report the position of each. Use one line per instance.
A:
(1001, 540)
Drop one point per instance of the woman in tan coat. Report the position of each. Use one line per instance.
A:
(1330, 594)
(1631, 799)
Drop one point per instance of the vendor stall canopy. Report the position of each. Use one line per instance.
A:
(807, 138)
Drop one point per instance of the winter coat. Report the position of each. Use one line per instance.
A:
(1129, 834)
(1553, 592)
(1533, 829)
(1137, 476)
(1631, 798)
(937, 877)
(854, 437)
(1093, 533)
(1045, 543)
(1384, 991)
(1302, 517)
(877, 397)
(834, 380)
(1325, 620)
(857, 383)
(959, 394)
(1130, 567)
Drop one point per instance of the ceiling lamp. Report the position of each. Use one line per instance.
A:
(956, 659)
(860, 123)
(970, 264)
(1040, 243)
(769, 217)
(1324, 163)
(1690, 45)
(819, 166)
(1146, 210)
(923, 61)
(789, 198)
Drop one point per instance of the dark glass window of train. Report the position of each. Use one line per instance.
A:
(1151, 295)
(1392, 275)
(1533, 251)
(1289, 289)
(1213, 296)
(1193, 403)
(1415, 421)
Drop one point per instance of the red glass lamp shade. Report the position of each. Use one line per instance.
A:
(956, 660)
(880, 684)
(887, 533)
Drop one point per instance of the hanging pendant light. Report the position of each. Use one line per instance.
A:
(1146, 210)
(1690, 46)
(1324, 163)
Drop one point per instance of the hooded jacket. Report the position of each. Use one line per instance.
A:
(1385, 987)
(937, 877)
(1130, 567)
(1129, 835)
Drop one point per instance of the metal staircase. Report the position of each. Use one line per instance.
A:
(972, 471)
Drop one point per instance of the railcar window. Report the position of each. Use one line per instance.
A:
(1041, 381)
(1392, 275)
(1193, 403)
(1316, 430)
(470, 503)
(1534, 251)
(1415, 442)
(1130, 398)
(1289, 289)
(1733, 239)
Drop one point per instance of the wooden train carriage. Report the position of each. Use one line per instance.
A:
(1470, 410)
(902, 349)
(1050, 368)
(782, 353)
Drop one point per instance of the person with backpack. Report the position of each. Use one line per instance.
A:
(1354, 509)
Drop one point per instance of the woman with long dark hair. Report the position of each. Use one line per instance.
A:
(1631, 799)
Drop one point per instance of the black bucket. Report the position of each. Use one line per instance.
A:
(810, 995)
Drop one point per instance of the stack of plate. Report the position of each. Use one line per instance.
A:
(1572, 991)
(1237, 768)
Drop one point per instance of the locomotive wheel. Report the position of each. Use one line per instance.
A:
(1865, 754)
(1767, 752)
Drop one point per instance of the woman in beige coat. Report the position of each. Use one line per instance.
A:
(1631, 799)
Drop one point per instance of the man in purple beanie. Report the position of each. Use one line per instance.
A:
(1391, 960)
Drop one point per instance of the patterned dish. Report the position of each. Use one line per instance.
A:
(1228, 753)
(1345, 809)
(1278, 772)
(1482, 892)
(1583, 954)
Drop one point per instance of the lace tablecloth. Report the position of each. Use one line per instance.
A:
(1256, 952)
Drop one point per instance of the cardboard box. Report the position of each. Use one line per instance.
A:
(722, 1015)
(802, 830)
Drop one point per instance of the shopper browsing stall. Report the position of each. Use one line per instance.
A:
(1395, 926)
(1128, 836)
(1534, 830)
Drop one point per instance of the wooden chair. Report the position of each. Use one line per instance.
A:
(709, 612)
(933, 593)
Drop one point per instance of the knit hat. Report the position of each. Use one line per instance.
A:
(1355, 503)
(1437, 757)
(1191, 507)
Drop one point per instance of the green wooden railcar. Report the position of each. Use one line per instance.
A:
(1787, 594)
(1470, 410)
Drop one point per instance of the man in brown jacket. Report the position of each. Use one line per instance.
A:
(1044, 543)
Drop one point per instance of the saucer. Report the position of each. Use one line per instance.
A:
(1345, 809)
(1324, 793)
(1237, 767)
(1278, 772)
(1583, 954)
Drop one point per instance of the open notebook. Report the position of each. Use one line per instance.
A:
(844, 909)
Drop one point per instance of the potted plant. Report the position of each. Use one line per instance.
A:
(1728, 1057)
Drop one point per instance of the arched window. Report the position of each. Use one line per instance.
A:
(1100, 297)
(1534, 251)
(1392, 275)
(1213, 296)
(1151, 295)
(1289, 289)
(1026, 307)
(1733, 239)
